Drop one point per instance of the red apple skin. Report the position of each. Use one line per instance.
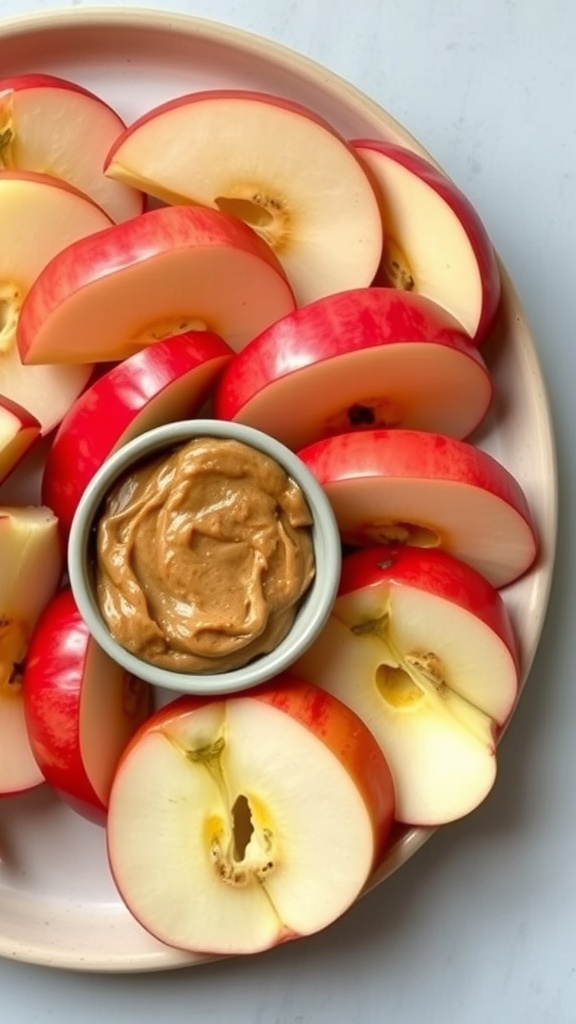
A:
(28, 423)
(435, 572)
(52, 687)
(331, 721)
(130, 397)
(19, 83)
(336, 325)
(468, 216)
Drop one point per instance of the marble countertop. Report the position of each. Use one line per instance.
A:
(480, 926)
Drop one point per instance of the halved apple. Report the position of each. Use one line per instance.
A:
(81, 708)
(31, 566)
(235, 824)
(56, 127)
(168, 381)
(427, 490)
(19, 430)
(39, 216)
(434, 240)
(421, 647)
(167, 272)
(366, 358)
(274, 164)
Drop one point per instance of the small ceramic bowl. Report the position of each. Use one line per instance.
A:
(315, 605)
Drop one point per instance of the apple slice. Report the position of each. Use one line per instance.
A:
(427, 490)
(371, 357)
(31, 565)
(270, 162)
(19, 430)
(54, 126)
(169, 271)
(169, 381)
(80, 707)
(39, 216)
(235, 824)
(434, 240)
(421, 647)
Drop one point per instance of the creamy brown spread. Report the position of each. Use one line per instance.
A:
(203, 555)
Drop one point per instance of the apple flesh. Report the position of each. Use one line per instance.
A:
(168, 381)
(235, 824)
(31, 566)
(167, 272)
(421, 647)
(39, 216)
(81, 708)
(366, 358)
(427, 490)
(19, 431)
(270, 162)
(54, 126)
(434, 240)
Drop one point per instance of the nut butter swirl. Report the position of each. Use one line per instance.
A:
(203, 556)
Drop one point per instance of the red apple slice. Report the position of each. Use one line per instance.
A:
(81, 708)
(19, 430)
(169, 271)
(31, 565)
(54, 126)
(434, 240)
(371, 357)
(169, 381)
(240, 823)
(427, 490)
(270, 162)
(39, 216)
(421, 647)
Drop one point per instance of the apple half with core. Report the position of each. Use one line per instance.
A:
(427, 490)
(169, 271)
(366, 358)
(235, 824)
(31, 566)
(19, 431)
(56, 127)
(39, 216)
(270, 162)
(81, 708)
(166, 382)
(421, 647)
(434, 240)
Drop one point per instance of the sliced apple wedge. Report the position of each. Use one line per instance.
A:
(427, 490)
(421, 647)
(19, 430)
(31, 565)
(81, 708)
(434, 240)
(270, 162)
(39, 216)
(366, 358)
(168, 381)
(169, 271)
(54, 126)
(240, 823)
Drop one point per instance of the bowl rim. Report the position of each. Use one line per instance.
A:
(316, 604)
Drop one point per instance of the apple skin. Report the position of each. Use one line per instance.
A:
(327, 721)
(56, 674)
(22, 433)
(489, 274)
(116, 291)
(78, 124)
(396, 355)
(168, 381)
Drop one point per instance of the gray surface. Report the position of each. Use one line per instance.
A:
(480, 926)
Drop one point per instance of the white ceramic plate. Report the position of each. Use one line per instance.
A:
(58, 905)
